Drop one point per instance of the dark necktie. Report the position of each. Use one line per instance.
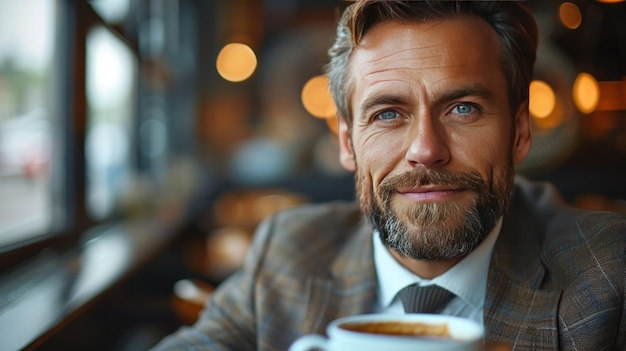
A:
(426, 299)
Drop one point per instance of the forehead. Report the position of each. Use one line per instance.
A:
(448, 49)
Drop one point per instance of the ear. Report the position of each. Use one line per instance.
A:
(522, 140)
(346, 154)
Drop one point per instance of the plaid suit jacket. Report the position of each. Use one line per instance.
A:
(556, 279)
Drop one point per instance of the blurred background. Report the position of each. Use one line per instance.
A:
(142, 141)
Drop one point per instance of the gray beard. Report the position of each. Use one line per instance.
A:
(435, 231)
(432, 241)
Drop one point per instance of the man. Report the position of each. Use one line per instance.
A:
(433, 105)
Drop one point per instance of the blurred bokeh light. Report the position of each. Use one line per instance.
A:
(317, 99)
(569, 14)
(586, 92)
(542, 99)
(236, 62)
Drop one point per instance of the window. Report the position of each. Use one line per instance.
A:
(27, 119)
(110, 77)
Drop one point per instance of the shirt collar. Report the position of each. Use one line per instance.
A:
(467, 279)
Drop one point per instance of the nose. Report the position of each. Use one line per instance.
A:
(428, 144)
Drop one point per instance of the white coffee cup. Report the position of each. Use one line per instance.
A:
(464, 335)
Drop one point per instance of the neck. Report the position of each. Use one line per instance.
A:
(425, 269)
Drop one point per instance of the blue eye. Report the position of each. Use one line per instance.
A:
(463, 109)
(387, 115)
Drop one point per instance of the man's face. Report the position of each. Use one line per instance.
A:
(432, 139)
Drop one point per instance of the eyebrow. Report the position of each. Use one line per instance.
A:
(377, 100)
(456, 94)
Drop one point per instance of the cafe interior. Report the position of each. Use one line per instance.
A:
(143, 141)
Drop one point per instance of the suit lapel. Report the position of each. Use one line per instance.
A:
(351, 288)
(519, 311)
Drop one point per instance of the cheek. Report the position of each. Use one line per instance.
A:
(484, 153)
(377, 157)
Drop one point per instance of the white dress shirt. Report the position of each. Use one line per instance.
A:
(467, 279)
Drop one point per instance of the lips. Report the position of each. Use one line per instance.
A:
(429, 193)
(428, 189)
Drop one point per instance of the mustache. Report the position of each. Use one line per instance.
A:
(421, 177)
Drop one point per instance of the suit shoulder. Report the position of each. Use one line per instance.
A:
(320, 224)
(573, 227)
(308, 232)
(337, 213)
(586, 245)
(559, 225)
(572, 240)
